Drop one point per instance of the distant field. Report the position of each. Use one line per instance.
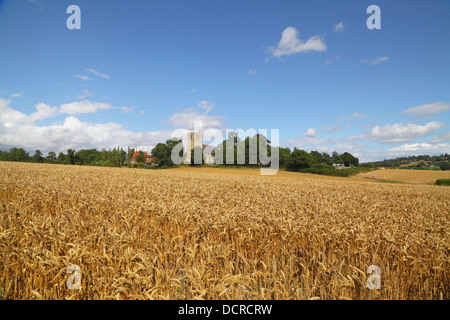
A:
(406, 175)
(205, 233)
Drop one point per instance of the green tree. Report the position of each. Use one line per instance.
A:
(327, 159)
(336, 158)
(317, 156)
(162, 154)
(37, 157)
(62, 158)
(300, 159)
(129, 156)
(140, 157)
(18, 154)
(71, 156)
(51, 157)
(349, 160)
(445, 166)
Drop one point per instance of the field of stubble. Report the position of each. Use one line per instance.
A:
(174, 234)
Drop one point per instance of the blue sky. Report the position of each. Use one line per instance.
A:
(137, 70)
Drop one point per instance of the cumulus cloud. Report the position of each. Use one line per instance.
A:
(19, 129)
(339, 27)
(422, 147)
(290, 43)
(185, 119)
(375, 61)
(251, 72)
(401, 132)
(84, 106)
(43, 111)
(16, 95)
(428, 110)
(311, 132)
(103, 75)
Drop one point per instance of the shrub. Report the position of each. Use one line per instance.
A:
(443, 182)
(107, 164)
(140, 164)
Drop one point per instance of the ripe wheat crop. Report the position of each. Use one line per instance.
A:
(172, 234)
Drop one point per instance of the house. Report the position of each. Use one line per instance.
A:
(148, 157)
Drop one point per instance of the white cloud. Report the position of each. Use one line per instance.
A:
(103, 75)
(429, 109)
(251, 72)
(16, 95)
(375, 61)
(141, 113)
(331, 128)
(85, 78)
(18, 129)
(84, 106)
(87, 106)
(10, 117)
(207, 106)
(354, 115)
(311, 132)
(339, 27)
(401, 133)
(43, 111)
(441, 138)
(84, 94)
(185, 119)
(422, 147)
(290, 43)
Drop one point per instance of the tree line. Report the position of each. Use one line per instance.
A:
(116, 157)
(294, 160)
(441, 162)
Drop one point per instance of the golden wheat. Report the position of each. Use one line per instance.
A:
(173, 234)
(408, 175)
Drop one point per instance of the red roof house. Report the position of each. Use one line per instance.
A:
(148, 157)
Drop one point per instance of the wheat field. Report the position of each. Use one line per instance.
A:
(174, 234)
(407, 175)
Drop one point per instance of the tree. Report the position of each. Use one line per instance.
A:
(129, 155)
(62, 159)
(348, 159)
(37, 157)
(71, 156)
(336, 158)
(162, 154)
(140, 157)
(300, 159)
(445, 166)
(283, 156)
(326, 158)
(87, 156)
(51, 157)
(317, 156)
(18, 154)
